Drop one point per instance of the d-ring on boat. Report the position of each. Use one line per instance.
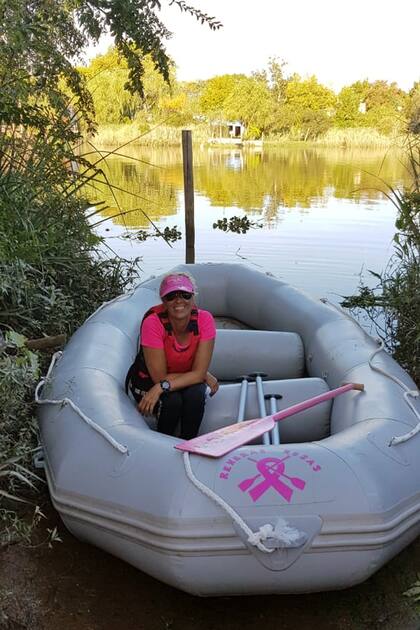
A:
(324, 509)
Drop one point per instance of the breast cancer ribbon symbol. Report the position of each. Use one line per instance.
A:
(271, 469)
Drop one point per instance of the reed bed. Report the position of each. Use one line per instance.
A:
(162, 135)
(359, 137)
(356, 137)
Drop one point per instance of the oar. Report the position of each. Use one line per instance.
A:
(242, 397)
(275, 433)
(260, 397)
(224, 440)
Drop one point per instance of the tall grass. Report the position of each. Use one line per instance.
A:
(52, 275)
(393, 306)
(163, 135)
(361, 137)
(355, 137)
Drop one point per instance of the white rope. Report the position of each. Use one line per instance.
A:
(67, 401)
(282, 535)
(254, 538)
(408, 393)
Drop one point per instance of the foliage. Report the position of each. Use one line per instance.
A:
(111, 136)
(267, 102)
(19, 371)
(136, 29)
(276, 79)
(378, 105)
(413, 109)
(250, 102)
(414, 591)
(361, 137)
(108, 74)
(237, 225)
(308, 94)
(53, 271)
(315, 124)
(215, 94)
(394, 304)
(170, 235)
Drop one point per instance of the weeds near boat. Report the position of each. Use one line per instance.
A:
(395, 301)
(414, 591)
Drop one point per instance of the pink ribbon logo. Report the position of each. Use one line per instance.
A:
(271, 469)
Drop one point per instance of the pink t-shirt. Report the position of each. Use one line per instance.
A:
(153, 335)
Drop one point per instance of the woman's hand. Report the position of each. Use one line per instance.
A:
(213, 383)
(149, 400)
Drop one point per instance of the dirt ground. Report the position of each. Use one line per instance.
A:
(77, 587)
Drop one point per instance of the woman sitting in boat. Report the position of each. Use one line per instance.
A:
(169, 377)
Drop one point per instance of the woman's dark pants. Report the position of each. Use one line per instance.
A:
(185, 405)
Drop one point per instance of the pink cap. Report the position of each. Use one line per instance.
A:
(175, 282)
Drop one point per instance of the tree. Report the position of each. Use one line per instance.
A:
(39, 43)
(250, 102)
(350, 104)
(52, 273)
(108, 74)
(308, 94)
(276, 79)
(413, 109)
(216, 92)
(379, 104)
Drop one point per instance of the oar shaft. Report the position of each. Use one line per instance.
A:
(242, 399)
(316, 400)
(261, 405)
(275, 433)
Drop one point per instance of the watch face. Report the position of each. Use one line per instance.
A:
(165, 385)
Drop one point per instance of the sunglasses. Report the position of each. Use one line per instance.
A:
(169, 297)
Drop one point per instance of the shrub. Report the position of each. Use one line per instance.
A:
(393, 306)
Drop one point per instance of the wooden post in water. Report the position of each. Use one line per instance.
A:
(187, 158)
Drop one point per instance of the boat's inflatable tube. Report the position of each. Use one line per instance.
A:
(277, 354)
(340, 500)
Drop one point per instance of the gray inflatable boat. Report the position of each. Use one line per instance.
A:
(324, 509)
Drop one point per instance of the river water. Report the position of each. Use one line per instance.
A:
(322, 217)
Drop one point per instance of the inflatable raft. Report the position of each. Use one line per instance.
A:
(324, 509)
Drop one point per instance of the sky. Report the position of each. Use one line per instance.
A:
(339, 42)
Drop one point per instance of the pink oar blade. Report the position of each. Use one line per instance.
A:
(226, 439)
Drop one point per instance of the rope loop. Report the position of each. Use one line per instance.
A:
(280, 536)
(67, 401)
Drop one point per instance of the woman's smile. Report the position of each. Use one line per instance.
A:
(179, 307)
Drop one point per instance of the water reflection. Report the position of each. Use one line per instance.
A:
(259, 182)
(323, 215)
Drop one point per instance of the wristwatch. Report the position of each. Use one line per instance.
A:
(165, 385)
